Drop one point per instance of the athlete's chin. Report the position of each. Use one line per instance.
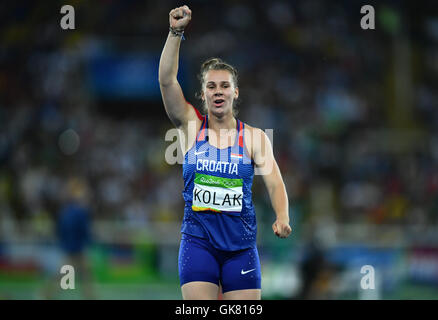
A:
(218, 111)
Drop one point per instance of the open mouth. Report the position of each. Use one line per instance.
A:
(219, 102)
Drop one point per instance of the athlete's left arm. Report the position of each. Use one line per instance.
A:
(264, 159)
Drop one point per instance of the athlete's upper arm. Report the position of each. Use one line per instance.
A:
(264, 158)
(180, 112)
(263, 155)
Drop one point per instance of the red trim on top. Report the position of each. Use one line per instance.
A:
(241, 134)
(200, 117)
(202, 131)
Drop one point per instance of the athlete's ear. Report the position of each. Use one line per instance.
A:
(236, 93)
(202, 95)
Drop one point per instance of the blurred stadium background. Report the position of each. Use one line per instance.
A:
(355, 119)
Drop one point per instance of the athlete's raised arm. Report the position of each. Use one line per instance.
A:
(177, 108)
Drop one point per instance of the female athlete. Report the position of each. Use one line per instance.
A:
(218, 242)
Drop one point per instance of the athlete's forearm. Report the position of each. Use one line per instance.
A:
(280, 201)
(168, 68)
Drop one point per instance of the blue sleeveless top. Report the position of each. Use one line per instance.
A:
(217, 193)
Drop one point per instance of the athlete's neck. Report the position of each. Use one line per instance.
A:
(224, 123)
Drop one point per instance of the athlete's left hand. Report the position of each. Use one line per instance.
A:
(281, 228)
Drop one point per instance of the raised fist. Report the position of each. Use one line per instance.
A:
(180, 17)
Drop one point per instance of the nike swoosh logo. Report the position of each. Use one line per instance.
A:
(201, 152)
(245, 272)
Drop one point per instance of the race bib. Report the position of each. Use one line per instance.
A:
(217, 194)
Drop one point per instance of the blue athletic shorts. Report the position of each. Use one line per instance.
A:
(198, 260)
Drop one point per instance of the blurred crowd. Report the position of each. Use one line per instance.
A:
(354, 112)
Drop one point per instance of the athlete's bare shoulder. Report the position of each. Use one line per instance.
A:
(259, 146)
(189, 130)
(253, 137)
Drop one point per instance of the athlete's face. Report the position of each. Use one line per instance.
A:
(219, 92)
